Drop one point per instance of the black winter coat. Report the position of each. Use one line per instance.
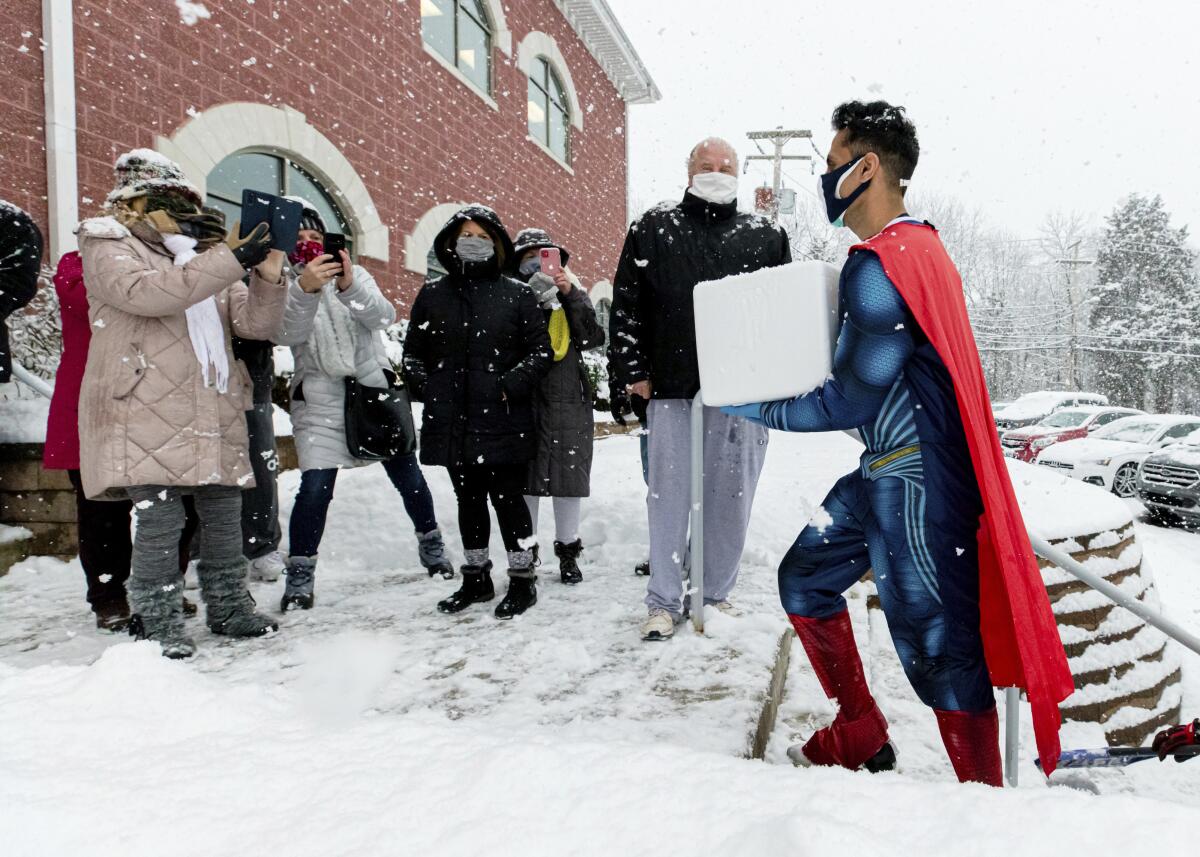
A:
(476, 348)
(563, 409)
(668, 251)
(20, 260)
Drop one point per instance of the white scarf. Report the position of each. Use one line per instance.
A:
(203, 320)
(333, 336)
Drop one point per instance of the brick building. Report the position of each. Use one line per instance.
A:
(386, 114)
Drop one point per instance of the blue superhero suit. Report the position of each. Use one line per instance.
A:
(911, 510)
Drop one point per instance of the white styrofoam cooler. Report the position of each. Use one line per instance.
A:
(766, 335)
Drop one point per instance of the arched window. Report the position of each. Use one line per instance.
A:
(271, 174)
(460, 32)
(603, 314)
(549, 111)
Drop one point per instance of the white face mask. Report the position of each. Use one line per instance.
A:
(717, 188)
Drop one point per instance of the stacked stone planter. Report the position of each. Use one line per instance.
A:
(1127, 674)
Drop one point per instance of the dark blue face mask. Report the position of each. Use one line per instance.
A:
(831, 183)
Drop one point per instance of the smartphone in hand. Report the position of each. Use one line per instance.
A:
(551, 260)
(285, 223)
(335, 243)
(256, 209)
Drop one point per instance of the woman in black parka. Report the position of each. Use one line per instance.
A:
(563, 406)
(476, 349)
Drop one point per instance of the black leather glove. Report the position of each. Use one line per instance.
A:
(207, 226)
(252, 249)
(1169, 740)
(639, 406)
(619, 404)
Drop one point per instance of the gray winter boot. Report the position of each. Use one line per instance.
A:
(432, 549)
(158, 615)
(301, 575)
(230, 607)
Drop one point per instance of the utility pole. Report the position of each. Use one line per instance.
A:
(1071, 265)
(779, 138)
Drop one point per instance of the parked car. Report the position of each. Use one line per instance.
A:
(1168, 483)
(1110, 456)
(1032, 408)
(997, 407)
(1024, 444)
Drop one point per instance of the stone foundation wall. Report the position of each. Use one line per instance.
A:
(43, 502)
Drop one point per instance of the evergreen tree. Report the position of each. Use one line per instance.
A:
(1146, 307)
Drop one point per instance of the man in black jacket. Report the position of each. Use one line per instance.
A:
(668, 251)
(20, 259)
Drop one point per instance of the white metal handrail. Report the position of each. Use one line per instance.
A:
(33, 382)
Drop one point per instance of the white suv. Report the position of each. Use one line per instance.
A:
(1110, 456)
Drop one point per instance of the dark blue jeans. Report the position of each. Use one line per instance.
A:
(307, 523)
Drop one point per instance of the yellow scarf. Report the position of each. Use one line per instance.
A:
(560, 333)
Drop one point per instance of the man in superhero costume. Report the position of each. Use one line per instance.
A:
(930, 510)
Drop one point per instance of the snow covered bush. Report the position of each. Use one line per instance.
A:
(35, 332)
(595, 363)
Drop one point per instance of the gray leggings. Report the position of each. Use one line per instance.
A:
(160, 520)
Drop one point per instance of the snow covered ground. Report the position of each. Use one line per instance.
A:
(374, 725)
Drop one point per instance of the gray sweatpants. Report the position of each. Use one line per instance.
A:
(734, 451)
(159, 510)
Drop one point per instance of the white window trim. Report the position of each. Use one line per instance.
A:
(501, 34)
(537, 45)
(417, 244)
(553, 154)
(601, 291)
(462, 78)
(212, 135)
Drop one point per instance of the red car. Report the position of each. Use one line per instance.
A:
(1025, 444)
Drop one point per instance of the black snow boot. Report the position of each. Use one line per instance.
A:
(476, 587)
(642, 569)
(112, 616)
(568, 561)
(521, 595)
(300, 579)
(432, 550)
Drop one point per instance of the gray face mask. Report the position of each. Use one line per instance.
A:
(471, 248)
(531, 266)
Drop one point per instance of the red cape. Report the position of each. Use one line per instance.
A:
(1020, 635)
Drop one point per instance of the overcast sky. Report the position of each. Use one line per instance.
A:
(1021, 107)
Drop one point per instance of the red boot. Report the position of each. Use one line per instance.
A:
(859, 731)
(972, 742)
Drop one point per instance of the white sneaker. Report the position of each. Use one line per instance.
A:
(659, 625)
(267, 567)
(728, 609)
(191, 580)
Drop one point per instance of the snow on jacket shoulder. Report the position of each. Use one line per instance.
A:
(318, 399)
(146, 416)
(668, 251)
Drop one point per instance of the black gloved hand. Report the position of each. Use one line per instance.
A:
(252, 249)
(207, 226)
(1169, 740)
(639, 406)
(619, 404)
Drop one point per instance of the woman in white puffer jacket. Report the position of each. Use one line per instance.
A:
(333, 322)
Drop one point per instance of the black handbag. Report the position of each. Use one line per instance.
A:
(379, 423)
